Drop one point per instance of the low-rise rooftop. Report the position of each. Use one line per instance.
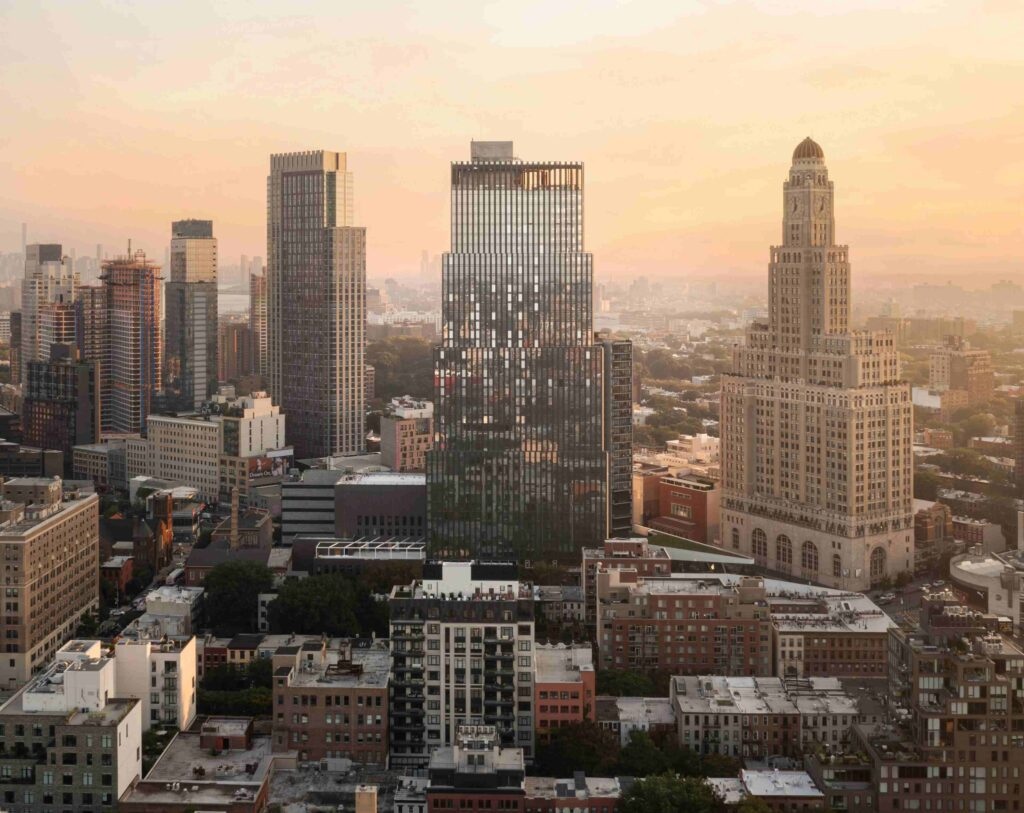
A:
(368, 668)
(579, 788)
(788, 784)
(563, 663)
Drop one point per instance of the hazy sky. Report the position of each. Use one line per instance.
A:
(117, 117)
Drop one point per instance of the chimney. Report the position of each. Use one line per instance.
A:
(233, 540)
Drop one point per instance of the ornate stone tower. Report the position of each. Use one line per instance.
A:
(817, 427)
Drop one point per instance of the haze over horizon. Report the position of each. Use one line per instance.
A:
(120, 119)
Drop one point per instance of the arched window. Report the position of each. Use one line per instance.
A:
(783, 552)
(809, 556)
(759, 543)
(735, 538)
(878, 564)
(837, 565)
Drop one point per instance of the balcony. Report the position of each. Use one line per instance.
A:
(408, 681)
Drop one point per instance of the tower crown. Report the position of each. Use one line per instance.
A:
(808, 148)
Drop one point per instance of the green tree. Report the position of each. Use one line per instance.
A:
(753, 804)
(581, 747)
(669, 793)
(403, 366)
(333, 604)
(926, 485)
(232, 595)
(719, 765)
(624, 683)
(641, 757)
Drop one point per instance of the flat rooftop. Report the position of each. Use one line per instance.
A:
(562, 663)
(780, 783)
(174, 593)
(647, 710)
(547, 787)
(384, 478)
(369, 669)
(850, 612)
(186, 761)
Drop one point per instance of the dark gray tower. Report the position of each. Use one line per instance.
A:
(191, 315)
(526, 429)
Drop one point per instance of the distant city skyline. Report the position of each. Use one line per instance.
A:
(677, 111)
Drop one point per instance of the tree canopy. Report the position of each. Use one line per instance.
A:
(332, 603)
(581, 747)
(669, 793)
(232, 595)
(403, 365)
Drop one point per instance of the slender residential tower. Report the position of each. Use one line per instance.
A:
(817, 427)
(47, 301)
(316, 296)
(190, 325)
(133, 356)
(533, 421)
(258, 320)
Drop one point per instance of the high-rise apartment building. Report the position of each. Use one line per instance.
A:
(462, 654)
(533, 450)
(16, 348)
(817, 426)
(233, 443)
(234, 349)
(316, 297)
(406, 434)
(61, 407)
(258, 321)
(47, 295)
(91, 323)
(50, 550)
(190, 325)
(959, 687)
(955, 366)
(72, 740)
(132, 353)
(1018, 444)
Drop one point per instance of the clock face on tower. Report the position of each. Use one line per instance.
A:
(796, 206)
(821, 205)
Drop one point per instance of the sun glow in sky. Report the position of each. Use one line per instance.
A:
(117, 117)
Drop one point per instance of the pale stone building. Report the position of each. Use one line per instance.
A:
(817, 426)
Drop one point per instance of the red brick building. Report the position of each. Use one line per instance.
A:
(117, 570)
(635, 554)
(332, 702)
(475, 774)
(564, 687)
(688, 506)
(683, 624)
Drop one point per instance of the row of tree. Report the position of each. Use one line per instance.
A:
(588, 747)
(332, 604)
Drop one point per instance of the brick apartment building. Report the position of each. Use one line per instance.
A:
(829, 633)
(682, 625)
(688, 506)
(332, 702)
(755, 718)
(564, 687)
(635, 553)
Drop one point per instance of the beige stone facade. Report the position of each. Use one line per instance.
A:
(50, 553)
(817, 426)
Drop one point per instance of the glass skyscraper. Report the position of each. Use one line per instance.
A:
(532, 458)
(316, 303)
(190, 323)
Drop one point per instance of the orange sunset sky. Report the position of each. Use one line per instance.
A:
(117, 117)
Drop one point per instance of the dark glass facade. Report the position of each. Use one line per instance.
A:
(316, 291)
(62, 406)
(524, 419)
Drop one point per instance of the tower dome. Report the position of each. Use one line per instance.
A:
(808, 148)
